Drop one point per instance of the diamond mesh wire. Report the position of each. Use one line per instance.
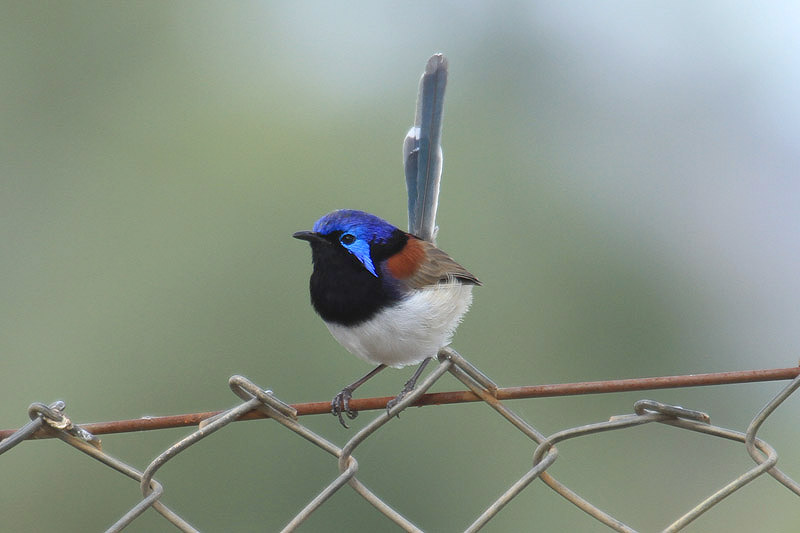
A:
(51, 421)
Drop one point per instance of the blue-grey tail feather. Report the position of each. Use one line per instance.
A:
(422, 151)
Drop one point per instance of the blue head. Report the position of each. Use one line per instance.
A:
(355, 231)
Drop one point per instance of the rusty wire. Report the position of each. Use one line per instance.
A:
(443, 398)
(50, 421)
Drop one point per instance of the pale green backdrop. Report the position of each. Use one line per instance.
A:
(622, 176)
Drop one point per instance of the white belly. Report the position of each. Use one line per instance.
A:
(411, 330)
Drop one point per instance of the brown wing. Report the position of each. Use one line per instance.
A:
(435, 267)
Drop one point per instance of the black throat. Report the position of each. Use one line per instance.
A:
(343, 291)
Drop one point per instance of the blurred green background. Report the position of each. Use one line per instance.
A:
(622, 176)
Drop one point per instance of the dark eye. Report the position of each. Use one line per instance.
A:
(347, 239)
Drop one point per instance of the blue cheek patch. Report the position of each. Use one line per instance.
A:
(360, 249)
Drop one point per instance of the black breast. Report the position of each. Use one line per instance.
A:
(343, 291)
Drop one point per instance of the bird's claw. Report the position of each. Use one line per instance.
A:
(341, 404)
(397, 399)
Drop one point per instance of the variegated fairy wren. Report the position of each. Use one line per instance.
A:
(388, 296)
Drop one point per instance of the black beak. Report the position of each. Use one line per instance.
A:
(309, 236)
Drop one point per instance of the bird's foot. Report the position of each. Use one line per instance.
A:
(341, 404)
(407, 388)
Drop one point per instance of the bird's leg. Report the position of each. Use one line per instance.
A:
(410, 384)
(341, 402)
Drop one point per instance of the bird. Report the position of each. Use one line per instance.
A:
(387, 296)
(392, 297)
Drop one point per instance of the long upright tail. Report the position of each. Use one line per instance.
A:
(422, 151)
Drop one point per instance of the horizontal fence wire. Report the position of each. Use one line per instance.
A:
(451, 397)
(50, 421)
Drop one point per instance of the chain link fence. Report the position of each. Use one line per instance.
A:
(50, 421)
